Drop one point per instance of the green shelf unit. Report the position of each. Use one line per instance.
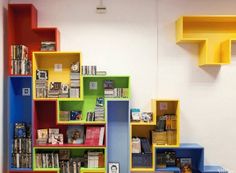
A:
(74, 152)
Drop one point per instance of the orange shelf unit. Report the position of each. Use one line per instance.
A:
(23, 30)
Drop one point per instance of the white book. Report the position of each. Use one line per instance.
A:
(101, 136)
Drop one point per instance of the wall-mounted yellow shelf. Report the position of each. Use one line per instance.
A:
(214, 34)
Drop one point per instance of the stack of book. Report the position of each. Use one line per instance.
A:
(108, 88)
(48, 46)
(99, 109)
(95, 160)
(22, 146)
(75, 82)
(47, 160)
(89, 70)
(120, 92)
(41, 83)
(20, 64)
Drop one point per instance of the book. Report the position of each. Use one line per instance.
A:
(135, 114)
(51, 132)
(75, 134)
(170, 158)
(76, 115)
(20, 130)
(94, 136)
(42, 133)
(57, 138)
(48, 46)
(186, 165)
(136, 145)
(101, 136)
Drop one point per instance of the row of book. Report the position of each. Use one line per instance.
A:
(116, 93)
(19, 52)
(20, 63)
(47, 160)
(89, 70)
(75, 135)
(169, 159)
(67, 163)
(21, 67)
(22, 146)
(166, 122)
(141, 145)
(22, 160)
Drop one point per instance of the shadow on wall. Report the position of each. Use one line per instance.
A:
(5, 96)
(193, 51)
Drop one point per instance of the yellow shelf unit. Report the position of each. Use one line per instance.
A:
(162, 107)
(48, 61)
(213, 33)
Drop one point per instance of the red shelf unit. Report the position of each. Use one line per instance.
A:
(45, 117)
(23, 29)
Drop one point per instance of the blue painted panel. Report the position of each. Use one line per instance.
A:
(214, 169)
(118, 133)
(193, 151)
(19, 107)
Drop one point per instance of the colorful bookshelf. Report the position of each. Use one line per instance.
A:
(23, 30)
(214, 34)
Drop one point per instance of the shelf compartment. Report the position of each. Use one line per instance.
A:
(74, 152)
(119, 82)
(22, 29)
(193, 151)
(214, 34)
(161, 107)
(45, 117)
(20, 108)
(77, 106)
(48, 60)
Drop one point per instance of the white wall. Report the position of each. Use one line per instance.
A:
(3, 4)
(207, 95)
(124, 41)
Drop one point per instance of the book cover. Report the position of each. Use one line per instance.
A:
(186, 165)
(92, 136)
(42, 133)
(75, 134)
(57, 138)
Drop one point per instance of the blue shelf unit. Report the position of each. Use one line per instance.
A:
(118, 134)
(193, 151)
(19, 110)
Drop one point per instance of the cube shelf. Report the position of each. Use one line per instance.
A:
(214, 34)
(193, 151)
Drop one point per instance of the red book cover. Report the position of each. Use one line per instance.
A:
(92, 136)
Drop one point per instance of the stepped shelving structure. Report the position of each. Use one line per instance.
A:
(44, 112)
